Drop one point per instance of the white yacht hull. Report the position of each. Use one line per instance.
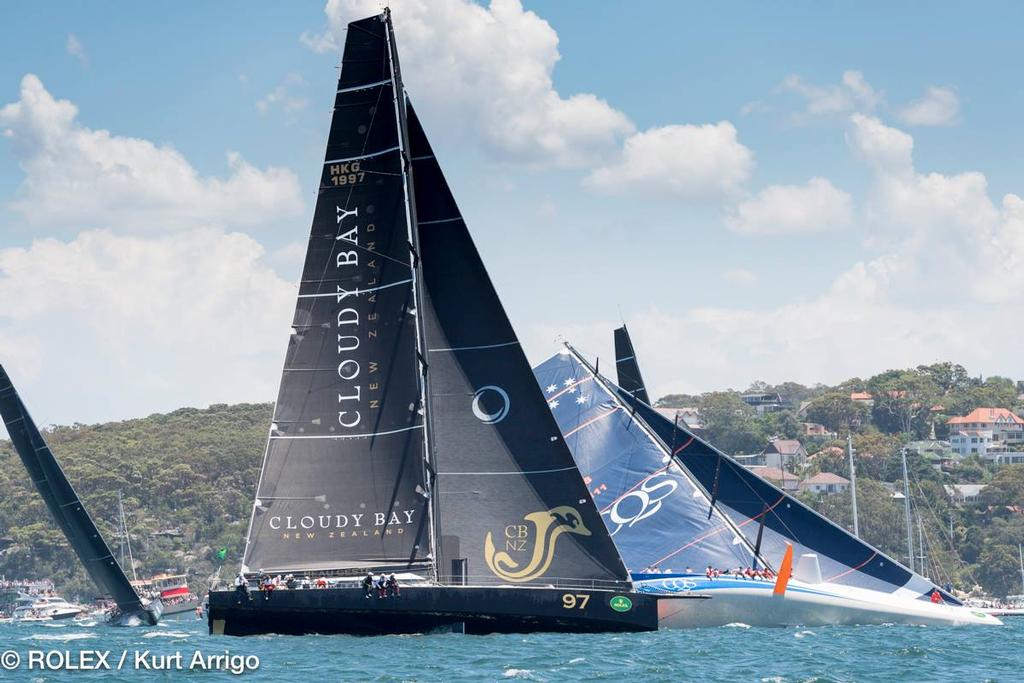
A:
(754, 603)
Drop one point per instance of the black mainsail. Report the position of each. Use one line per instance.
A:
(67, 508)
(627, 368)
(342, 484)
(409, 431)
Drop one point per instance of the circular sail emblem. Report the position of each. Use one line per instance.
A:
(479, 410)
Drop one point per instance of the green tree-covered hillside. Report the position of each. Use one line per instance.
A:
(187, 479)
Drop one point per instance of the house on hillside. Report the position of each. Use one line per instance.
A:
(825, 483)
(784, 480)
(938, 453)
(784, 454)
(863, 397)
(818, 430)
(687, 417)
(996, 434)
(964, 493)
(764, 401)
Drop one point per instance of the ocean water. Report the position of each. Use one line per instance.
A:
(731, 653)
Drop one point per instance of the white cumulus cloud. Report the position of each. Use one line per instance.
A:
(93, 178)
(943, 284)
(683, 161)
(817, 206)
(489, 69)
(852, 93)
(108, 325)
(939, 107)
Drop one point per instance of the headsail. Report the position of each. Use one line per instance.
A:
(627, 369)
(65, 506)
(343, 482)
(510, 498)
(654, 510)
(771, 518)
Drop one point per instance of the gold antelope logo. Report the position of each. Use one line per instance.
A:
(548, 526)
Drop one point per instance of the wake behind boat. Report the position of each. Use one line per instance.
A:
(671, 500)
(409, 436)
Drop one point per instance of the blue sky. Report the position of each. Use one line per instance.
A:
(808, 191)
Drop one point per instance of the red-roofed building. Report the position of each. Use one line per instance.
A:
(988, 432)
(988, 418)
(825, 482)
(864, 397)
(784, 480)
(784, 454)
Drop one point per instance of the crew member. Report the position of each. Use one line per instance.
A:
(367, 585)
(241, 588)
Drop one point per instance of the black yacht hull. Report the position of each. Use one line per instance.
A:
(147, 616)
(474, 610)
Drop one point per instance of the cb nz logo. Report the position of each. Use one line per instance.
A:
(625, 510)
(544, 529)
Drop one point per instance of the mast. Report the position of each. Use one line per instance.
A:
(920, 543)
(127, 542)
(408, 189)
(667, 449)
(906, 504)
(853, 482)
(1020, 554)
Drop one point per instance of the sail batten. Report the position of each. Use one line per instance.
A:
(358, 157)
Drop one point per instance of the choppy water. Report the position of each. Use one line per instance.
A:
(736, 653)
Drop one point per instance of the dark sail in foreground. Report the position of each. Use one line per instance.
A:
(627, 368)
(409, 435)
(69, 512)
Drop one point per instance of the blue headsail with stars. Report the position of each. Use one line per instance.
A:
(657, 515)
